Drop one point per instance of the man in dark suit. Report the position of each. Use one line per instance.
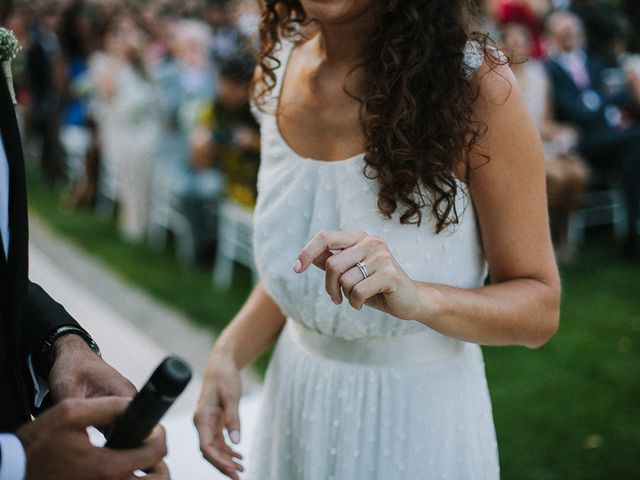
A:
(43, 348)
(595, 102)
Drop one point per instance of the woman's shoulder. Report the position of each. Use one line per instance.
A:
(488, 69)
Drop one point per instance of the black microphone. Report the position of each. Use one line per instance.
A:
(146, 409)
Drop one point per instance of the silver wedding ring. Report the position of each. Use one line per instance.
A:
(363, 269)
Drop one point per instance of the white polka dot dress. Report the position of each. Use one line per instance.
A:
(360, 394)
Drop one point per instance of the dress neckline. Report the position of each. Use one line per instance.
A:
(287, 47)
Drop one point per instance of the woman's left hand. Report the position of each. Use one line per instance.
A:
(361, 267)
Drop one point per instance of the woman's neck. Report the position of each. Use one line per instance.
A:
(344, 43)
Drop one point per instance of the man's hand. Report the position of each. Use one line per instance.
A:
(57, 445)
(159, 472)
(77, 372)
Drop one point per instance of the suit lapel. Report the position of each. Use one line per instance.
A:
(15, 270)
(595, 74)
(566, 75)
(17, 191)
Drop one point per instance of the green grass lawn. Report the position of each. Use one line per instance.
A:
(570, 410)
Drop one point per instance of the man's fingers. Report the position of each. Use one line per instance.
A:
(67, 390)
(329, 240)
(147, 456)
(123, 388)
(157, 472)
(96, 412)
(159, 434)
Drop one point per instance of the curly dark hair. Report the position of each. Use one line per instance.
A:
(417, 106)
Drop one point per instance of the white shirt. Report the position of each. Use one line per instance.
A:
(575, 64)
(13, 461)
(4, 199)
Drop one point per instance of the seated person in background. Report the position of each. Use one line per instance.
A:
(609, 33)
(187, 79)
(528, 14)
(603, 22)
(608, 137)
(626, 63)
(229, 136)
(566, 172)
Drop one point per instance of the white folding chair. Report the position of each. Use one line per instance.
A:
(599, 207)
(235, 242)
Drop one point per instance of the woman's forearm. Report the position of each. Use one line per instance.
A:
(253, 329)
(520, 311)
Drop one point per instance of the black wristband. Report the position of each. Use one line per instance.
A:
(43, 354)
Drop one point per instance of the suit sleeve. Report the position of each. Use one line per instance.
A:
(43, 315)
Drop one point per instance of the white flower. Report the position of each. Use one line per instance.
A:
(9, 45)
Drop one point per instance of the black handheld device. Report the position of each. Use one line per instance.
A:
(146, 409)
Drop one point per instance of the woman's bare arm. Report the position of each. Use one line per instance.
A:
(248, 335)
(253, 329)
(509, 194)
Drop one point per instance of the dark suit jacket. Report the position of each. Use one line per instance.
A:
(568, 103)
(27, 313)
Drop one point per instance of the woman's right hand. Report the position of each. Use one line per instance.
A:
(217, 411)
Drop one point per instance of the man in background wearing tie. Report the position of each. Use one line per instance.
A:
(609, 139)
(43, 351)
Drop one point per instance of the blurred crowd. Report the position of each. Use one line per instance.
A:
(576, 68)
(142, 110)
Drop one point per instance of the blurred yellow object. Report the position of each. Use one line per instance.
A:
(206, 116)
(242, 194)
(240, 176)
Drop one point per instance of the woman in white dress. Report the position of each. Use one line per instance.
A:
(397, 164)
(129, 125)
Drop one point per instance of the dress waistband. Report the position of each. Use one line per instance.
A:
(410, 349)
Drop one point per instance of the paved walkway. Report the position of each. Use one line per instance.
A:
(135, 333)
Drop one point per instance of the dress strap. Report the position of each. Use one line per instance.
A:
(283, 54)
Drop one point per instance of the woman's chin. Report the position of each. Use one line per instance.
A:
(336, 11)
